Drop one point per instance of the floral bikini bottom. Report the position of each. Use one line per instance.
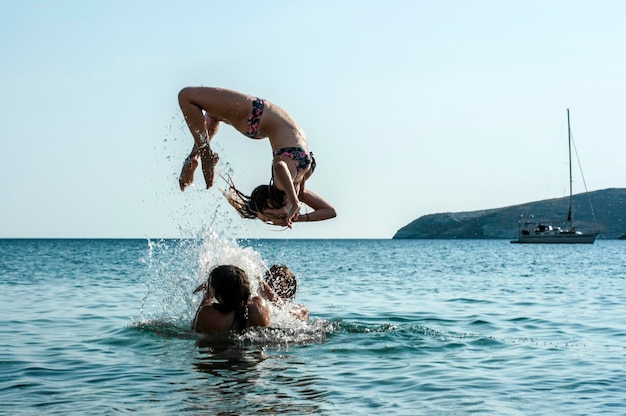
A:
(302, 158)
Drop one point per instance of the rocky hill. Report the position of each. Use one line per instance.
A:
(609, 206)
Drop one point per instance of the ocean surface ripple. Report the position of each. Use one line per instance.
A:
(398, 327)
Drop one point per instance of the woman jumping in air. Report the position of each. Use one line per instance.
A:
(277, 203)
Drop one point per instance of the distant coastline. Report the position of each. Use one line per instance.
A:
(609, 206)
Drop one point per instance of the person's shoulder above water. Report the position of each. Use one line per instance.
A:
(259, 313)
(208, 318)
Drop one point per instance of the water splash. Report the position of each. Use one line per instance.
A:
(174, 268)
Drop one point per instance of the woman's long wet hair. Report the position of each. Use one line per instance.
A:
(261, 198)
(232, 286)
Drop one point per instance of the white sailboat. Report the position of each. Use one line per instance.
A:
(535, 232)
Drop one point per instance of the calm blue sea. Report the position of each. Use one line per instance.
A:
(406, 327)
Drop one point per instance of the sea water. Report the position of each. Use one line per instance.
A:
(398, 327)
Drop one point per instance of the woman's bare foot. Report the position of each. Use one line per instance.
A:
(209, 160)
(186, 174)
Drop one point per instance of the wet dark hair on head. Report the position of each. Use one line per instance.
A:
(282, 281)
(231, 284)
(249, 206)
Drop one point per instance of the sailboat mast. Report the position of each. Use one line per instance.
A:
(570, 214)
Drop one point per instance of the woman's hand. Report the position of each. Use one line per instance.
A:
(292, 215)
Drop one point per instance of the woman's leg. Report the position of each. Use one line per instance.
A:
(207, 156)
(202, 128)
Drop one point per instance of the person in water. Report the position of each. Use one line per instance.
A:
(279, 287)
(227, 303)
(277, 203)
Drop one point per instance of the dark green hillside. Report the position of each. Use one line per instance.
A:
(609, 206)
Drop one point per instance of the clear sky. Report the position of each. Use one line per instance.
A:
(411, 108)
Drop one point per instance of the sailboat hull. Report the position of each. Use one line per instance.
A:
(557, 238)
